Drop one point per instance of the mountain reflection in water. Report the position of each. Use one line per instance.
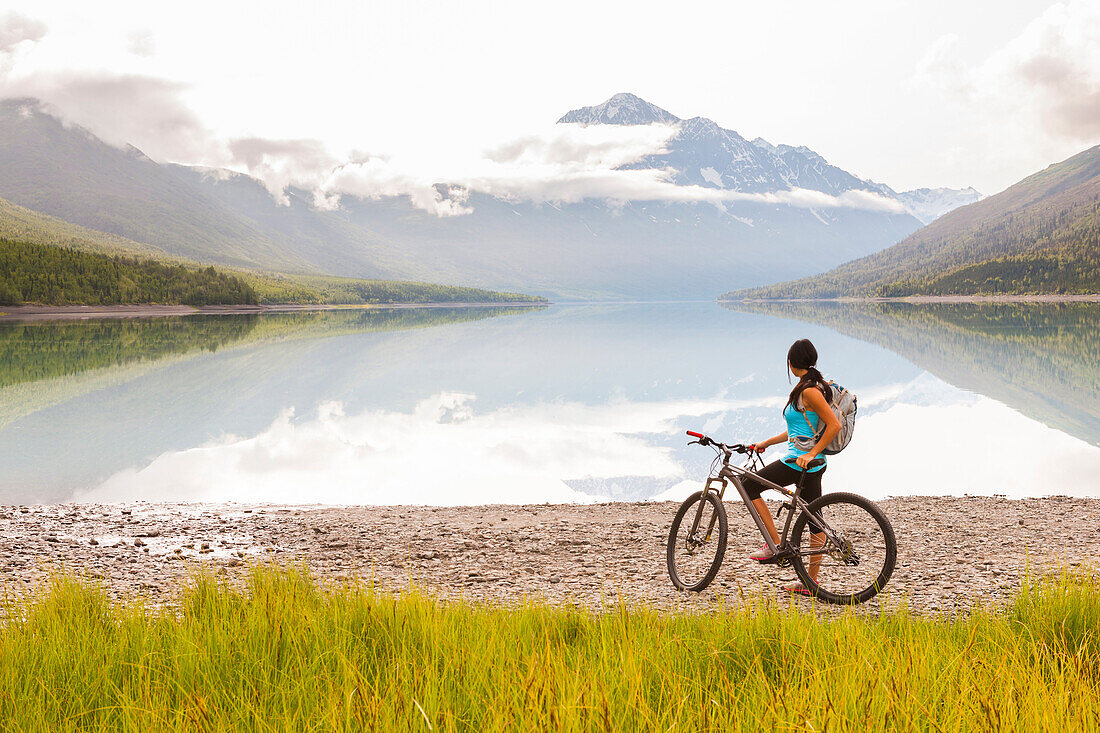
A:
(1042, 359)
(486, 405)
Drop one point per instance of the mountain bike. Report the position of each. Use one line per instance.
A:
(854, 563)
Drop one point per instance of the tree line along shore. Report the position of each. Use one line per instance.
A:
(50, 275)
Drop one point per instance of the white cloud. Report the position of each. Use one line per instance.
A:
(283, 163)
(942, 65)
(533, 453)
(921, 438)
(1056, 63)
(514, 454)
(16, 28)
(1043, 83)
(16, 32)
(137, 110)
(565, 164)
(141, 43)
(559, 164)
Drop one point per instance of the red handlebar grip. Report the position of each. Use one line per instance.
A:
(694, 434)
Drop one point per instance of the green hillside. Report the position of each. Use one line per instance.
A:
(323, 289)
(70, 174)
(25, 225)
(20, 224)
(49, 275)
(1041, 235)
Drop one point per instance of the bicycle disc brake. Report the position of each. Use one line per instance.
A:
(693, 543)
(845, 553)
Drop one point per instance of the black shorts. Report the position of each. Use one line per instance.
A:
(780, 473)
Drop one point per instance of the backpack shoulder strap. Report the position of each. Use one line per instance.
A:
(810, 424)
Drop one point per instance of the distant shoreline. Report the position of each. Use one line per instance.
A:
(18, 313)
(929, 299)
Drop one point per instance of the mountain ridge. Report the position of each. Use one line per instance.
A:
(706, 154)
(1040, 235)
(623, 108)
(589, 249)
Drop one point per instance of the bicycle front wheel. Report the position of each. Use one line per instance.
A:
(853, 558)
(697, 541)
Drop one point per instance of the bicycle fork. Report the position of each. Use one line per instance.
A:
(703, 503)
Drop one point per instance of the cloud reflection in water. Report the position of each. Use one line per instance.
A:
(442, 452)
(912, 438)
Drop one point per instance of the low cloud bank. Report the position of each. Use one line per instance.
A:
(562, 164)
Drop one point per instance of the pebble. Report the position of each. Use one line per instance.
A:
(608, 551)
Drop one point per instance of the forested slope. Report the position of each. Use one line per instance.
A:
(1041, 235)
(48, 275)
(28, 227)
(21, 224)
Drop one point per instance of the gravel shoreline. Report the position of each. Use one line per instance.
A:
(952, 551)
(931, 299)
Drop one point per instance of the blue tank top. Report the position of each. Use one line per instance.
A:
(798, 427)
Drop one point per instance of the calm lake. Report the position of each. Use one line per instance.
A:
(558, 404)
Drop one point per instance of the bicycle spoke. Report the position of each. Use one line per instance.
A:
(694, 555)
(853, 557)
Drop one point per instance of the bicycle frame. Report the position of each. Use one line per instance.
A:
(733, 474)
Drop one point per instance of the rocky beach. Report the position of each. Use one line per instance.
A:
(953, 552)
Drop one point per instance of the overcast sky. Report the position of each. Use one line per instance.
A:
(911, 94)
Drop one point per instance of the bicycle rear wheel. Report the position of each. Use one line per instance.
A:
(697, 541)
(858, 556)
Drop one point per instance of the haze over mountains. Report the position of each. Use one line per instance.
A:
(705, 154)
(1038, 236)
(778, 212)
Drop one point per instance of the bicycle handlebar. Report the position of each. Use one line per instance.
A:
(706, 440)
(741, 448)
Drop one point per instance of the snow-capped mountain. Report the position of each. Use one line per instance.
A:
(621, 109)
(705, 154)
(929, 204)
(591, 248)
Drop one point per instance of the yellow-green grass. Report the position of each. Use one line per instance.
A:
(283, 653)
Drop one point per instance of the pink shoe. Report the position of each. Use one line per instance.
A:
(763, 556)
(798, 589)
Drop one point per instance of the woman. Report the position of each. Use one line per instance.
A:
(806, 409)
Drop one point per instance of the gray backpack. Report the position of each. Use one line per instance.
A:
(843, 405)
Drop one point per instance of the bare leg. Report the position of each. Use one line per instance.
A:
(817, 541)
(766, 515)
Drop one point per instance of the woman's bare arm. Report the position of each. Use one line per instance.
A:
(763, 445)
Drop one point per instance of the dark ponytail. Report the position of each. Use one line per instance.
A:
(803, 355)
